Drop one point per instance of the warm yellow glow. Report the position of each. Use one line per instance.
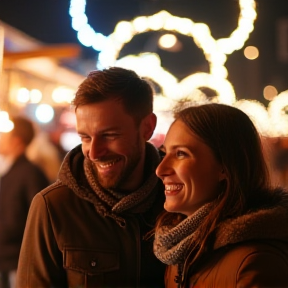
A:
(123, 31)
(215, 51)
(161, 103)
(257, 113)
(278, 116)
(140, 24)
(148, 65)
(167, 40)
(271, 121)
(23, 95)
(35, 96)
(270, 92)
(63, 95)
(251, 52)
(6, 125)
(1, 48)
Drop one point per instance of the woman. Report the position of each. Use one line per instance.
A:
(225, 226)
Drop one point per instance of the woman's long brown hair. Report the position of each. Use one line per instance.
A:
(235, 142)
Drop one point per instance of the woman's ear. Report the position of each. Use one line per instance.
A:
(222, 175)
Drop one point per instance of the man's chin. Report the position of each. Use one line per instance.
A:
(108, 184)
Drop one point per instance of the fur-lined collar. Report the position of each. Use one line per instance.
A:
(269, 222)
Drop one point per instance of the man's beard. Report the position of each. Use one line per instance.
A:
(116, 181)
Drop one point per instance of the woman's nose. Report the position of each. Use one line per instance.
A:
(164, 168)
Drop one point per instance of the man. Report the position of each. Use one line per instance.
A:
(20, 180)
(88, 228)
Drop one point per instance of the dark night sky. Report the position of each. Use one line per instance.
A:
(49, 22)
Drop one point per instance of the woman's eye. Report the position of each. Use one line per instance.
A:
(162, 154)
(180, 154)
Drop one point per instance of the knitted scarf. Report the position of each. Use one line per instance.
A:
(172, 243)
(110, 203)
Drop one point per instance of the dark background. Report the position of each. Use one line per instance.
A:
(49, 21)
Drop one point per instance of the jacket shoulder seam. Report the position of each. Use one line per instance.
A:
(52, 187)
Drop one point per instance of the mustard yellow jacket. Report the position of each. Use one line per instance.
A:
(248, 251)
(249, 264)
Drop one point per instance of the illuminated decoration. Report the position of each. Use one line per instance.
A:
(277, 110)
(271, 121)
(63, 94)
(44, 113)
(6, 125)
(167, 40)
(270, 92)
(257, 113)
(25, 96)
(214, 50)
(147, 65)
(251, 52)
(35, 96)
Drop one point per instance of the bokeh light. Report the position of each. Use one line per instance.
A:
(44, 113)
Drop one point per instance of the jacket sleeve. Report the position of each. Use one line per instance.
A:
(40, 260)
(263, 269)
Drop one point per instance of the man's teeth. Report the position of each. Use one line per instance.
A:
(173, 187)
(108, 164)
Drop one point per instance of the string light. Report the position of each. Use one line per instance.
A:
(271, 121)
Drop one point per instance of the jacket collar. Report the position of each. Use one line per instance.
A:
(268, 222)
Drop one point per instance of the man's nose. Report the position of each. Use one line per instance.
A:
(97, 149)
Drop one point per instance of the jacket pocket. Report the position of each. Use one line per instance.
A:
(85, 266)
(90, 262)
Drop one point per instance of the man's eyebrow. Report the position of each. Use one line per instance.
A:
(106, 130)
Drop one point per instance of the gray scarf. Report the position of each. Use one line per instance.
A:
(172, 243)
(111, 203)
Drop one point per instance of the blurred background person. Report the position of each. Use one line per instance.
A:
(44, 154)
(20, 180)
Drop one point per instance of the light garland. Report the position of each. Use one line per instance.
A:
(271, 121)
(214, 50)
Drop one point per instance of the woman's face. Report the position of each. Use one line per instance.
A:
(190, 172)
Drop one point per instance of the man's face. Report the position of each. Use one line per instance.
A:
(114, 143)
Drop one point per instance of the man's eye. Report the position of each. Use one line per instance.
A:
(84, 138)
(111, 136)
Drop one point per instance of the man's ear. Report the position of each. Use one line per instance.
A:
(148, 125)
